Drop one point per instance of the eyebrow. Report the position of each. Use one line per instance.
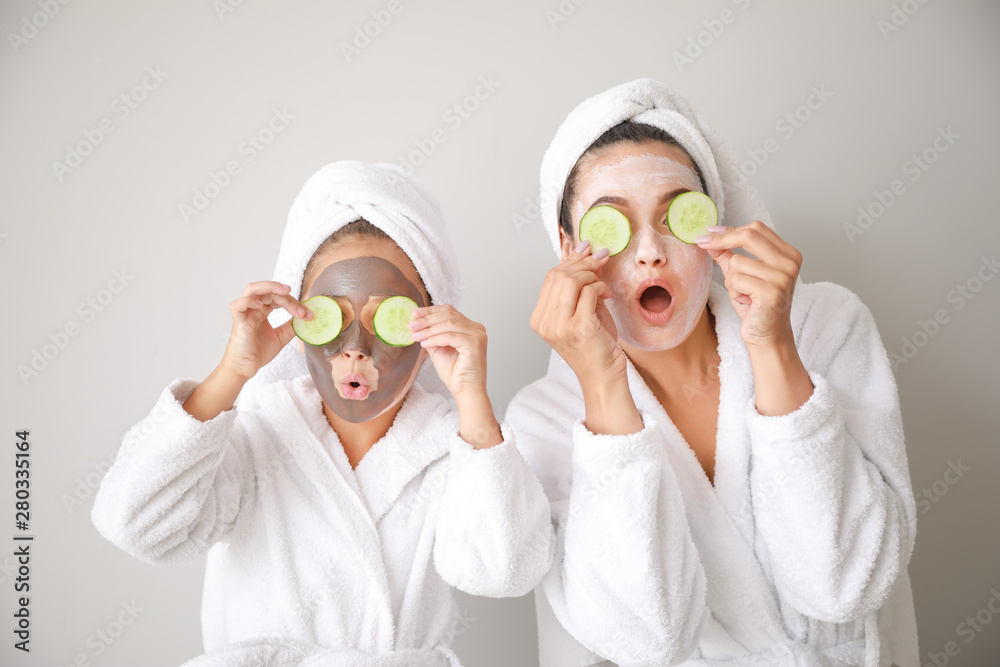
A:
(621, 201)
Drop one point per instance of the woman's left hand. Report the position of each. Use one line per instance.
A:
(760, 287)
(456, 345)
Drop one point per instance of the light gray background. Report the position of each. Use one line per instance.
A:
(61, 241)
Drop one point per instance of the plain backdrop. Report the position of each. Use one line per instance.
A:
(156, 97)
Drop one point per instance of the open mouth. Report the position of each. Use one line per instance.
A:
(655, 301)
(354, 387)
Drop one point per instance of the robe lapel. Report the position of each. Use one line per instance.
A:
(741, 599)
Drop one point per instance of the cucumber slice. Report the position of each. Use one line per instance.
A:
(325, 324)
(391, 319)
(690, 215)
(605, 227)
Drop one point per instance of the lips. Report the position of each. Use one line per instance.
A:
(655, 301)
(354, 387)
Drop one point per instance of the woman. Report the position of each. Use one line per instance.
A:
(725, 463)
(339, 500)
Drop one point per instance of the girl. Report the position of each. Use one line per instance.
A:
(324, 494)
(725, 462)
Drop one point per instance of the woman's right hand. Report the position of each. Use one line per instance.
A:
(571, 317)
(253, 342)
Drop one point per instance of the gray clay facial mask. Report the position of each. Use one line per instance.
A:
(357, 374)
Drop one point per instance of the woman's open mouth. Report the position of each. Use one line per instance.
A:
(655, 301)
(354, 387)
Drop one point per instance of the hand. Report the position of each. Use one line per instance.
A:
(572, 318)
(760, 287)
(253, 342)
(456, 346)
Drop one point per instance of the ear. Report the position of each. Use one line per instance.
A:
(566, 244)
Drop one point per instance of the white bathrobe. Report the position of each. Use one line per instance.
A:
(309, 561)
(796, 556)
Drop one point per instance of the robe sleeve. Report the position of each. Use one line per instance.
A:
(177, 483)
(830, 484)
(627, 582)
(494, 532)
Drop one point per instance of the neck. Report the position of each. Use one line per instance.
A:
(668, 372)
(359, 437)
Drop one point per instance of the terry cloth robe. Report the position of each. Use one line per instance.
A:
(796, 556)
(309, 561)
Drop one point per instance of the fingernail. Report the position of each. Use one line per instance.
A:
(703, 239)
(583, 246)
(302, 312)
(602, 253)
(716, 229)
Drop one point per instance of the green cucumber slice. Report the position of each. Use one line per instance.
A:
(391, 319)
(690, 215)
(325, 324)
(605, 227)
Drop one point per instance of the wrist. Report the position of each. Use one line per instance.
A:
(610, 408)
(478, 425)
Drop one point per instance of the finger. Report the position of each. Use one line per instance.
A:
(569, 294)
(762, 292)
(285, 333)
(751, 238)
(722, 257)
(589, 296)
(465, 327)
(292, 305)
(453, 339)
(266, 287)
(429, 316)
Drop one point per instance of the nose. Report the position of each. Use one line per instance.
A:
(651, 248)
(356, 343)
(355, 354)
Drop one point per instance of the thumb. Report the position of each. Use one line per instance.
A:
(722, 258)
(285, 333)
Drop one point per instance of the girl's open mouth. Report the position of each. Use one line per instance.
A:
(354, 387)
(655, 301)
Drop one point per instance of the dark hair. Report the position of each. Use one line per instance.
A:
(626, 131)
(359, 229)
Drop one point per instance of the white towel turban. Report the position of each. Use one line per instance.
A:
(385, 196)
(649, 102)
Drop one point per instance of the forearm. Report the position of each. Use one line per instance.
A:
(781, 383)
(477, 422)
(610, 408)
(215, 395)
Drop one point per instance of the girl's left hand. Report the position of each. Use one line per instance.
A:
(457, 347)
(760, 287)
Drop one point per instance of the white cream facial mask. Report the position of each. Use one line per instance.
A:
(659, 284)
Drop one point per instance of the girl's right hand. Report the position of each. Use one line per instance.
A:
(571, 317)
(253, 342)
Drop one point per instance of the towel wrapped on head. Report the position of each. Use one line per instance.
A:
(648, 102)
(387, 197)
